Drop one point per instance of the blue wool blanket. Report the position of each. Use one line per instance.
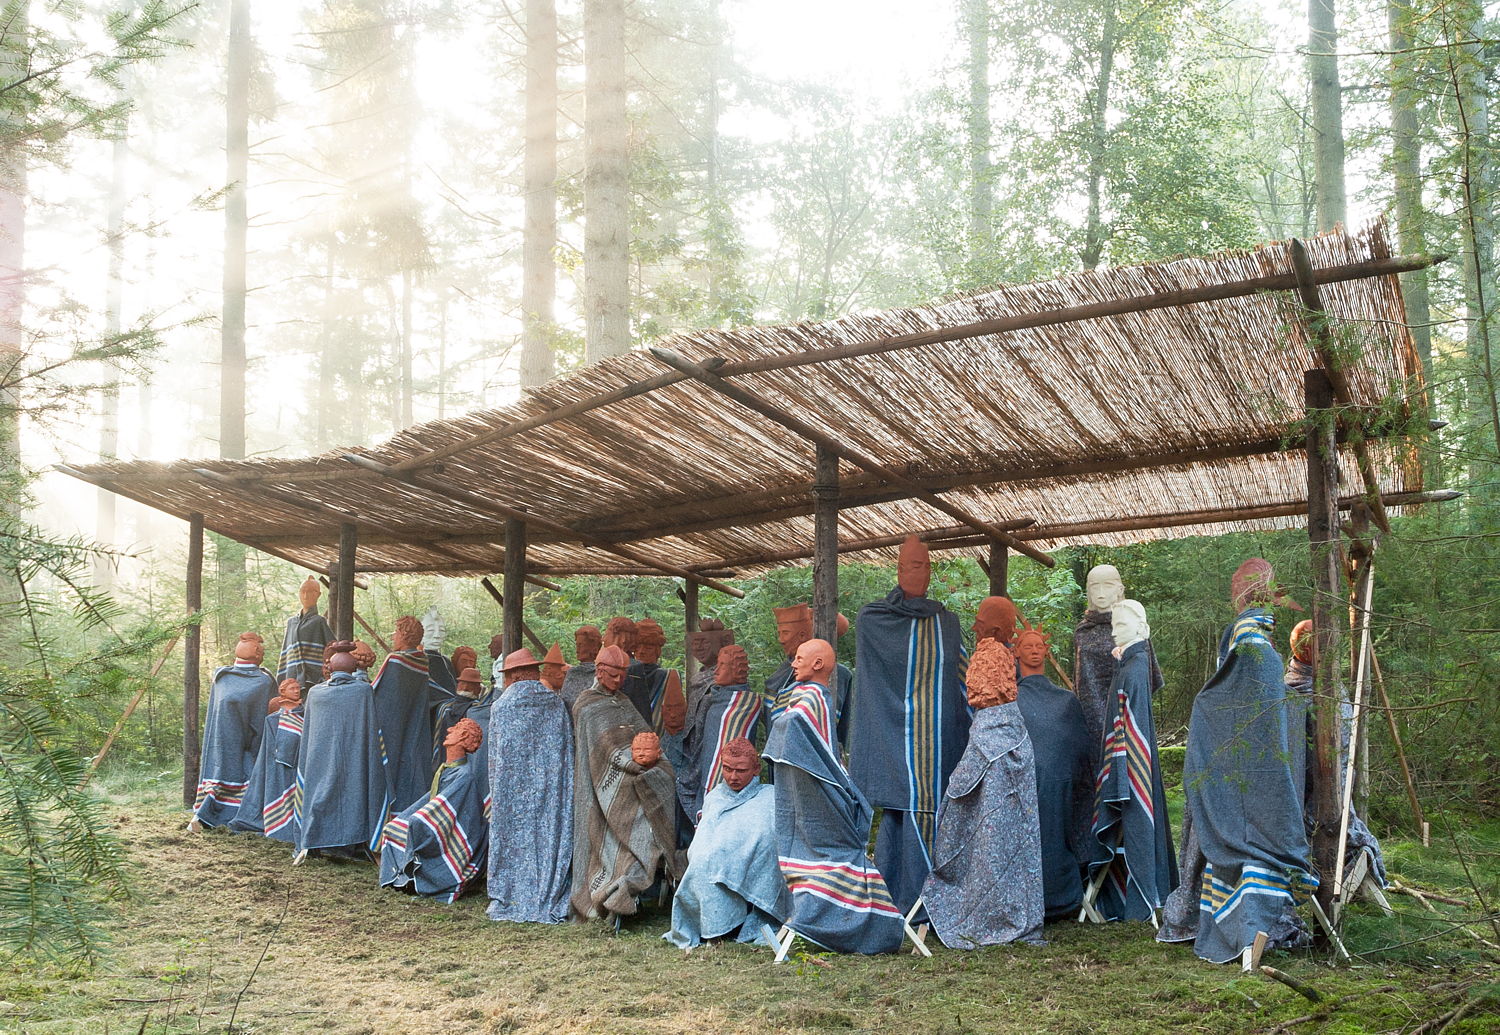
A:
(406, 699)
(231, 739)
(307, 633)
(341, 799)
(1064, 789)
(437, 847)
(267, 808)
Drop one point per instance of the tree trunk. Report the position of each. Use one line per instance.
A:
(1327, 113)
(981, 182)
(327, 353)
(229, 555)
(408, 391)
(1406, 167)
(538, 269)
(109, 402)
(1093, 232)
(14, 57)
(606, 183)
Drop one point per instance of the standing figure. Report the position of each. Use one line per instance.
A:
(1064, 775)
(267, 806)
(434, 632)
(531, 761)
(624, 799)
(911, 718)
(554, 674)
(342, 799)
(307, 634)
(438, 845)
(794, 627)
(1133, 865)
(1094, 659)
(472, 701)
(986, 884)
(406, 699)
(839, 900)
(647, 679)
(497, 661)
(733, 883)
(731, 710)
(586, 644)
(231, 734)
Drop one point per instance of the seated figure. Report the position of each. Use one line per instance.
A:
(730, 710)
(406, 700)
(986, 882)
(267, 807)
(733, 885)
(231, 734)
(438, 846)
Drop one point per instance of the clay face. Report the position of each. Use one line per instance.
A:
(250, 648)
(992, 675)
(649, 641)
(497, 647)
(673, 704)
(466, 735)
(1302, 641)
(464, 657)
(1031, 651)
(996, 620)
(814, 662)
(914, 568)
(308, 593)
(700, 646)
(794, 627)
(554, 669)
(645, 750)
(739, 764)
(732, 667)
(289, 695)
(1104, 587)
(610, 668)
(1251, 584)
(469, 682)
(621, 632)
(586, 642)
(408, 635)
(1128, 623)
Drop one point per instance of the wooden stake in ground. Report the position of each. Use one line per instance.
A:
(129, 710)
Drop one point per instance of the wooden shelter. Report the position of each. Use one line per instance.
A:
(1114, 406)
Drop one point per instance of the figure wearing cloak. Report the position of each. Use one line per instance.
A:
(1130, 804)
(586, 644)
(342, 798)
(733, 882)
(438, 846)
(531, 805)
(986, 882)
(1243, 800)
(794, 627)
(273, 781)
(911, 719)
(839, 900)
(472, 701)
(727, 713)
(406, 699)
(232, 734)
(1094, 660)
(307, 635)
(624, 799)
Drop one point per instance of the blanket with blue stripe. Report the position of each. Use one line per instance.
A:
(231, 740)
(438, 846)
(341, 798)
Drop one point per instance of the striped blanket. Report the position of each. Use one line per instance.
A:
(728, 712)
(340, 799)
(307, 633)
(438, 846)
(268, 798)
(405, 702)
(231, 740)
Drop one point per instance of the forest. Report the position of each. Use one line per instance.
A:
(238, 229)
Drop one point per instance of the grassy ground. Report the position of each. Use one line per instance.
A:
(336, 954)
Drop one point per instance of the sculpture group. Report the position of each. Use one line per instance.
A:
(1005, 801)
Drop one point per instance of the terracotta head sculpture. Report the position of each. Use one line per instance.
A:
(732, 667)
(610, 668)
(992, 675)
(740, 764)
(841, 626)
(308, 593)
(554, 668)
(673, 704)
(1104, 587)
(1302, 641)
(408, 635)
(814, 662)
(649, 641)
(520, 664)
(288, 695)
(364, 654)
(913, 568)
(705, 643)
(1128, 624)
(1253, 584)
(463, 738)
(995, 620)
(621, 632)
(250, 649)
(794, 627)
(341, 657)
(464, 657)
(645, 749)
(1031, 651)
(470, 682)
(586, 643)
(497, 647)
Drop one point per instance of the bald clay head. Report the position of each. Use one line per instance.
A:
(645, 749)
(586, 643)
(308, 593)
(1302, 641)
(732, 668)
(621, 632)
(554, 668)
(649, 641)
(1031, 651)
(995, 620)
(794, 627)
(408, 635)
(1104, 587)
(814, 662)
(914, 568)
(364, 654)
(463, 738)
(740, 764)
(341, 657)
(992, 675)
(250, 648)
(464, 657)
(610, 668)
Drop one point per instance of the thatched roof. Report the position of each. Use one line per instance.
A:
(1177, 419)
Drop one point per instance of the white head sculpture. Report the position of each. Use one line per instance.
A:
(1127, 622)
(1104, 589)
(433, 630)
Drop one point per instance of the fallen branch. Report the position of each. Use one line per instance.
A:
(1424, 896)
(1306, 991)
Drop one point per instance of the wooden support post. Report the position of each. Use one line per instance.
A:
(1323, 521)
(535, 640)
(514, 586)
(343, 584)
(999, 571)
(192, 644)
(826, 546)
(689, 593)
